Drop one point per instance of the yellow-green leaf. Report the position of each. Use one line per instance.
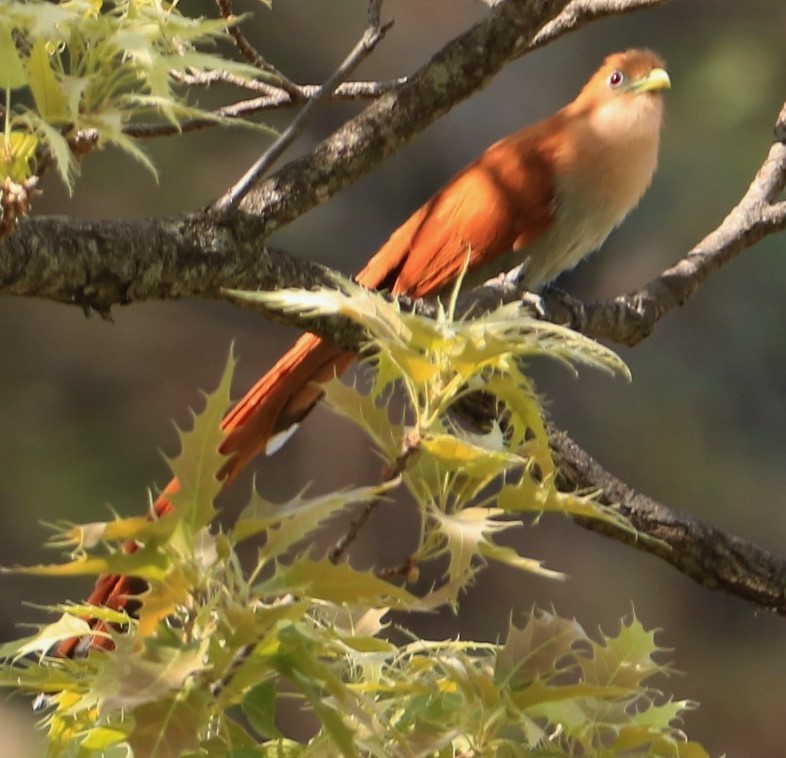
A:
(148, 563)
(338, 583)
(50, 99)
(12, 70)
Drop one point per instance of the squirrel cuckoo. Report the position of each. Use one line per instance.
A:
(550, 194)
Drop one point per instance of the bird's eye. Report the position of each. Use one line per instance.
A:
(616, 79)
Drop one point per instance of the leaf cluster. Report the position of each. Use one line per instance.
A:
(468, 485)
(218, 648)
(86, 68)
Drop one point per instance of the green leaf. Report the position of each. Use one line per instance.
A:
(12, 70)
(147, 563)
(139, 674)
(289, 523)
(120, 530)
(101, 738)
(259, 707)
(365, 413)
(625, 660)
(65, 162)
(535, 651)
(50, 99)
(337, 583)
(467, 535)
(198, 465)
(169, 728)
(482, 462)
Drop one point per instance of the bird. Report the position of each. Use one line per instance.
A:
(544, 197)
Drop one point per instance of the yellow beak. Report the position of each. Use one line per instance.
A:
(657, 79)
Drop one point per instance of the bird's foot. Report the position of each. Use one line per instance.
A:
(555, 305)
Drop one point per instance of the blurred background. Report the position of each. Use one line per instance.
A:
(85, 405)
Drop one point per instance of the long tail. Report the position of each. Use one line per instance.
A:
(260, 422)
(495, 204)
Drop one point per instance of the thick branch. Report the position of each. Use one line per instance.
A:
(98, 264)
(459, 69)
(630, 318)
(701, 551)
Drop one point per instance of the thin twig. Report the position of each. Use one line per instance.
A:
(391, 472)
(355, 526)
(579, 12)
(197, 78)
(250, 53)
(406, 570)
(373, 34)
(277, 99)
(345, 91)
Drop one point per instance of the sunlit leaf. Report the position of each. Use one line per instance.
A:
(142, 674)
(363, 411)
(338, 583)
(624, 660)
(147, 563)
(64, 159)
(50, 99)
(12, 70)
(66, 627)
(200, 461)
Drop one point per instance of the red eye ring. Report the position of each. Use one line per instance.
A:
(616, 79)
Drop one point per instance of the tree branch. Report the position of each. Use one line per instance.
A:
(631, 318)
(373, 34)
(273, 99)
(463, 66)
(125, 271)
(701, 551)
(98, 264)
(249, 52)
(60, 260)
(580, 12)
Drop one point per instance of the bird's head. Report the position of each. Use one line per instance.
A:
(625, 92)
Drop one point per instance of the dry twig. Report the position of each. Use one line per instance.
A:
(373, 34)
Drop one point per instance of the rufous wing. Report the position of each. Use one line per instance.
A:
(504, 200)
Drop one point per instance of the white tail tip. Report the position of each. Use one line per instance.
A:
(279, 439)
